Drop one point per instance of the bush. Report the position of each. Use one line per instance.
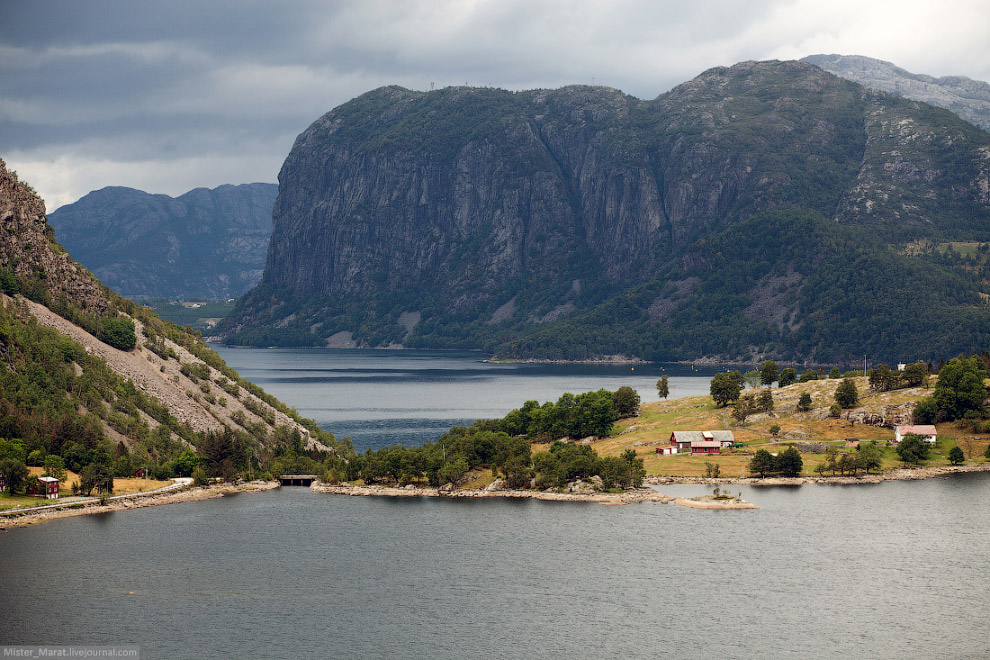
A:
(956, 456)
(119, 333)
(804, 403)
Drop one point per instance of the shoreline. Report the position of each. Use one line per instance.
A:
(899, 474)
(636, 496)
(27, 517)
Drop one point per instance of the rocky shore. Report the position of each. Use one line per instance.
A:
(900, 474)
(192, 494)
(627, 497)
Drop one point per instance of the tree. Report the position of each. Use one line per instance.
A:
(871, 455)
(119, 333)
(956, 456)
(745, 406)
(774, 430)
(788, 376)
(846, 394)
(724, 389)
(752, 378)
(98, 476)
(925, 411)
(762, 463)
(55, 467)
(810, 374)
(712, 470)
(15, 473)
(804, 403)
(626, 401)
(882, 379)
(663, 387)
(834, 373)
(915, 374)
(769, 372)
(453, 471)
(789, 463)
(913, 449)
(765, 401)
(186, 463)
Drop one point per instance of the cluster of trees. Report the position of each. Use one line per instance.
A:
(463, 449)
(868, 456)
(959, 392)
(787, 463)
(572, 416)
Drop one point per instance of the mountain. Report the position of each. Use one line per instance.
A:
(92, 377)
(970, 99)
(203, 244)
(766, 209)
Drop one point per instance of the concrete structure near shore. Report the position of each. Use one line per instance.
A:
(297, 479)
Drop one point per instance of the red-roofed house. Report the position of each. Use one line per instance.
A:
(926, 431)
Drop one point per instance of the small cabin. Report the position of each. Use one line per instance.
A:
(926, 431)
(667, 450)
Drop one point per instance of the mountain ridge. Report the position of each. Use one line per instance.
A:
(968, 98)
(501, 219)
(205, 243)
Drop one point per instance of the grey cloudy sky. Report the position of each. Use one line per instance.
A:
(169, 96)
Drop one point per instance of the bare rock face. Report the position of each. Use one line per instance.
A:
(29, 250)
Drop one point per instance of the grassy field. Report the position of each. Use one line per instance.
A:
(657, 421)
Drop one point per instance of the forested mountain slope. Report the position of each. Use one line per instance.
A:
(95, 379)
(203, 244)
(766, 209)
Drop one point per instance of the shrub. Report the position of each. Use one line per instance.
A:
(119, 333)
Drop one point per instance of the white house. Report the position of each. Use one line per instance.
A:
(926, 431)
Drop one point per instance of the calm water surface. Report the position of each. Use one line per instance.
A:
(896, 570)
(380, 398)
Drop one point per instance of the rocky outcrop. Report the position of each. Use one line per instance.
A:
(203, 244)
(28, 248)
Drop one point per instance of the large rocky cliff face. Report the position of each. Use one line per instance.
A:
(203, 244)
(488, 214)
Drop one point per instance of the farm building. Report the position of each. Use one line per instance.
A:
(701, 442)
(926, 431)
(46, 487)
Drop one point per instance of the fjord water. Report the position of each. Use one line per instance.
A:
(895, 570)
(381, 398)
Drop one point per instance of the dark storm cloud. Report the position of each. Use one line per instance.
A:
(172, 95)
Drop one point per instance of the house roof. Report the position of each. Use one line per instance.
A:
(921, 429)
(48, 479)
(702, 436)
